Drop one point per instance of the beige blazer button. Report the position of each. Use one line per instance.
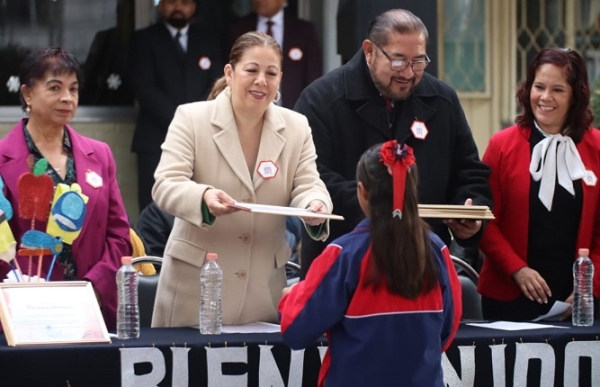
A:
(246, 238)
(241, 274)
(248, 200)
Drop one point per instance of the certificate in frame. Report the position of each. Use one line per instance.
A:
(51, 313)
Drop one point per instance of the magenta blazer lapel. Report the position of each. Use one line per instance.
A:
(13, 162)
(85, 164)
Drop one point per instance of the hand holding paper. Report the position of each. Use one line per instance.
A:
(316, 206)
(219, 203)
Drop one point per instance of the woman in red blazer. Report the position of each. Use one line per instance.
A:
(50, 80)
(544, 180)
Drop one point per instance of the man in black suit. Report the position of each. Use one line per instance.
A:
(174, 62)
(302, 56)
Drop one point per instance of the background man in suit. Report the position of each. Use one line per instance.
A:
(302, 57)
(174, 62)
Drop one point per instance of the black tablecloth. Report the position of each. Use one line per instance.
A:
(100, 364)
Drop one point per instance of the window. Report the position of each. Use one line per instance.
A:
(545, 23)
(464, 37)
(587, 35)
(95, 31)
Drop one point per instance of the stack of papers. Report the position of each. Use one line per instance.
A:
(514, 326)
(447, 211)
(257, 327)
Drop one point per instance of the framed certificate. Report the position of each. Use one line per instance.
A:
(49, 313)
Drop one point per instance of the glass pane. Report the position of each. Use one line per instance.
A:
(540, 24)
(464, 44)
(587, 35)
(97, 32)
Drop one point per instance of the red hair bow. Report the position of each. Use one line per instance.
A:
(398, 158)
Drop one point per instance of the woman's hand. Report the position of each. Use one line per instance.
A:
(218, 202)
(567, 313)
(316, 206)
(532, 285)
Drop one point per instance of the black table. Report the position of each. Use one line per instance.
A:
(181, 357)
(489, 357)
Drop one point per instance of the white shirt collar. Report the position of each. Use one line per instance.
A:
(277, 19)
(173, 30)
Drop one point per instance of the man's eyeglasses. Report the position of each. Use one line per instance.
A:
(401, 65)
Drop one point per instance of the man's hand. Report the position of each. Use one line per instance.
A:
(464, 228)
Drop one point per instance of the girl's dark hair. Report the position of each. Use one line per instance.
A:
(579, 116)
(239, 48)
(395, 20)
(401, 255)
(48, 59)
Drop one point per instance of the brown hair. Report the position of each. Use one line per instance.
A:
(579, 117)
(219, 85)
(239, 48)
(253, 39)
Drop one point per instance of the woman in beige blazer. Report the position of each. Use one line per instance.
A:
(238, 147)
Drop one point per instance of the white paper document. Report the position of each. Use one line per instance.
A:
(513, 326)
(287, 211)
(256, 327)
(555, 312)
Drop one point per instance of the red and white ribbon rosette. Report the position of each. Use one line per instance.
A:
(399, 159)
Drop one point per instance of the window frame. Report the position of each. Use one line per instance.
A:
(487, 93)
(144, 14)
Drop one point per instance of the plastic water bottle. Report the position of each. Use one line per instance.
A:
(583, 300)
(211, 279)
(128, 312)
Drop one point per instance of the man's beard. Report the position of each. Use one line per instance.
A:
(178, 22)
(386, 89)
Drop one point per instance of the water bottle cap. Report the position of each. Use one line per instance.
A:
(126, 260)
(584, 252)
(211, 256)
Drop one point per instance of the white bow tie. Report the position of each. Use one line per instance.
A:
(556, 155)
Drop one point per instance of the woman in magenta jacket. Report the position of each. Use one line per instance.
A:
(544, 180)
(50, 79)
